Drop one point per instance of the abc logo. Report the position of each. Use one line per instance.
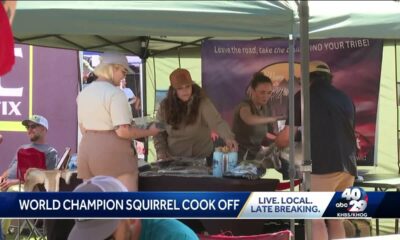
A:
(341, 205)
(355, 199)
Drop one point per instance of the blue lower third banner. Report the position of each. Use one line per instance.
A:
(351, 203)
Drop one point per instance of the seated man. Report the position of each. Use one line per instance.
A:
(99, 229)
(37, 127)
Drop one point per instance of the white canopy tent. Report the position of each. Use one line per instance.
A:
(356, 19)
(162, 25)
(148, 28)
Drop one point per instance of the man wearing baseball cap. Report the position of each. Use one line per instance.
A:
(37, 127)
(132, 229)
(333, 143)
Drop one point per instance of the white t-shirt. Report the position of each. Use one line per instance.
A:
(129, 95)
(103, 106)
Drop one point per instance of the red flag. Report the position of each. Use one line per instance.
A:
(7, 58)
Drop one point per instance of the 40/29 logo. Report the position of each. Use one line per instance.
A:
(354, 199)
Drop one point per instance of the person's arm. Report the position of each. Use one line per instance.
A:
(127, 131)
(137, 104)
(251, 119)
(12, 168)
(161, 139)
(5, 181)
(214, 121)
(121, 117)
(161, 145)
(4, 175)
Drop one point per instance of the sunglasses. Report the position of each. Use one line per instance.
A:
(31, 126)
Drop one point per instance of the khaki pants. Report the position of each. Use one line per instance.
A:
(104, 153)
(331, 182)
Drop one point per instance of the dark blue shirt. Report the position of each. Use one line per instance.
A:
(333, 144)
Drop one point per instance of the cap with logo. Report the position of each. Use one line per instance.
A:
(96, 228)
(38, 120)
(115, 58)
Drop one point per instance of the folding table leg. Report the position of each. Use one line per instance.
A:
(377, 220)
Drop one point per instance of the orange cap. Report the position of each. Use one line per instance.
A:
(180, 77)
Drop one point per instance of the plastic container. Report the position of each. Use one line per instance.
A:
(232, 161)
(217, 163)
(223, 162)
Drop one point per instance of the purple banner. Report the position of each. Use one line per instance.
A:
(355, 65)
(43, 81)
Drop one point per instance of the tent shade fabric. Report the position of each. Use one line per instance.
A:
(363, 19)
(157, 26)
(119, 25)
(160, 18)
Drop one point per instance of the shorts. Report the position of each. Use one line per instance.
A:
(104, 153)
(331, 182)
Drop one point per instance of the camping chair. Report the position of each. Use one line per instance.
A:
(53, 181)
(63, 163)
(29, 158)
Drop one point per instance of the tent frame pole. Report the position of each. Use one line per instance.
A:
(305, 103)
(144, 43)
(292, 169)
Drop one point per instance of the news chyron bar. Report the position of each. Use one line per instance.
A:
(351, 203)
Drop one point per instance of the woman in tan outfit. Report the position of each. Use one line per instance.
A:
(105, 118)
(189, 117)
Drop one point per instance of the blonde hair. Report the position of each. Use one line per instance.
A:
(104, 71)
